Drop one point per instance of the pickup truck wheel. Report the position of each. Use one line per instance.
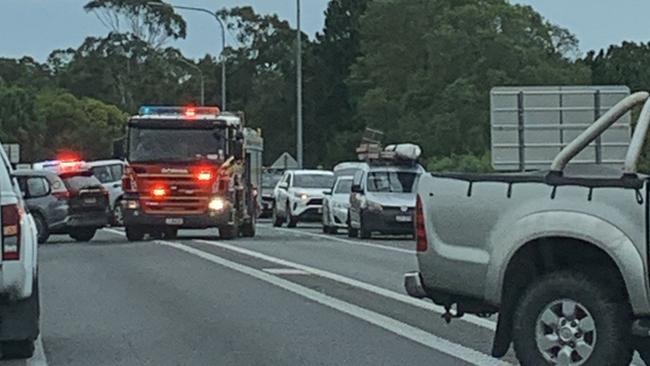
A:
(566, 318)
(278, 221)
(17, 349)
(83, 234)
(134, 233)
(41, 228)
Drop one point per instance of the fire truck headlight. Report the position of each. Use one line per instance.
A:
(217, 204)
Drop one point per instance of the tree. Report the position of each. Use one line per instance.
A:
(327, 70)
(427, 67)
(152, 24)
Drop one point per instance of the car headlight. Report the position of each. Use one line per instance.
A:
(302, 196)
(217, 204)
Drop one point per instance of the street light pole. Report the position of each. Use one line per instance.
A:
(299, 90)
(223, 43)
(200, 72)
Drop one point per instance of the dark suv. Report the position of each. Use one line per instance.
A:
(73, 203)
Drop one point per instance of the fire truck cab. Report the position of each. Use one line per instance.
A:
(189, 168)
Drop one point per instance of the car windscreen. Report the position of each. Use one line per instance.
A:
(313, 181)
(395, 182)
(344, 186)
(156, 144)
(270, 180)
(78, 181)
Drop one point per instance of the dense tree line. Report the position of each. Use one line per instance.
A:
(420, 70)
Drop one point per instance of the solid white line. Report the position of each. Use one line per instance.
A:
(352, 242)
(285, 271)
(482, 322)
(414, 334)
(39, 358)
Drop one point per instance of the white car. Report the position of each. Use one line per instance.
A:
(298, 196)
(19, 295)
(109, 173)
(336, 205)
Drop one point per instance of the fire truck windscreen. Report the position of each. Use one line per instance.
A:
(154, 144)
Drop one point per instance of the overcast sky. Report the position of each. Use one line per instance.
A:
(36, 27)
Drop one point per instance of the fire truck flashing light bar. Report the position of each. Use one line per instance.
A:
(189, 112)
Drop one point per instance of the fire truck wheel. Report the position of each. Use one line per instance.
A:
(171, 233)
(248, 229)
(134, 233)
(228, 232)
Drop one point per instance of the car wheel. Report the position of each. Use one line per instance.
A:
(228, 232)
(134, 233)
(642, 346)
(352, 232)
(117, 218)
(275, 217)
(326, 229)
(41, 228)
(157, 234)
(293, 221)
(83, 234)
(568, 318)
(18, 349)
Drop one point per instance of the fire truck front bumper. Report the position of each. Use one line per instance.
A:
(211, 218)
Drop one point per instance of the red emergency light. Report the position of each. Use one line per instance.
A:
(159, 191)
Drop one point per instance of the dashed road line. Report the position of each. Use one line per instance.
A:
(346, 241)
(285, 271)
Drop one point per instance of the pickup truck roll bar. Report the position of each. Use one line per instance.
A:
(602, 124)
(638, 140)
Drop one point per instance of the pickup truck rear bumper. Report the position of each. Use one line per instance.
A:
(413, 285)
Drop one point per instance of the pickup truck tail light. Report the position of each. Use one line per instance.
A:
(420, 230)
(11, 215)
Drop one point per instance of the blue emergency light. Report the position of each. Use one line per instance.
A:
(189, 112)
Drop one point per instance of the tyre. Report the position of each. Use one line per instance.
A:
(642, 346)
(228, 232)
(568, 318)
(117, 216)
(157, 234)
(17, 349)
(278, 221)
(326, 229)
(134, 233)
(248, 229)
(41, 228)
(352, 232)
(293, 221)
(83, 234)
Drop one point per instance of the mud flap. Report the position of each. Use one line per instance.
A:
(20, 319)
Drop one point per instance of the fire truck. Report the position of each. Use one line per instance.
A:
(190, 168)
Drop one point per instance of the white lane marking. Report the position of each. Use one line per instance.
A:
(414, 334)
(39, 358)
(285, 271)
(482, 322)
(352, 242)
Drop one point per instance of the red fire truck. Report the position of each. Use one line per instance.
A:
(190, 168)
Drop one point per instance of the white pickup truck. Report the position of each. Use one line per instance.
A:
(19, 295)
(562, 255)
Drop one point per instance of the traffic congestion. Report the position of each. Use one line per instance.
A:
(507, 223)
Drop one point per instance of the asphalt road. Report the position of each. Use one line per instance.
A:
(285, 297)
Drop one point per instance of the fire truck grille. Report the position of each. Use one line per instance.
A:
(184, 196)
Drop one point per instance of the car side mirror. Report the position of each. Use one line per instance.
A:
(356, 188)
(283, 186)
